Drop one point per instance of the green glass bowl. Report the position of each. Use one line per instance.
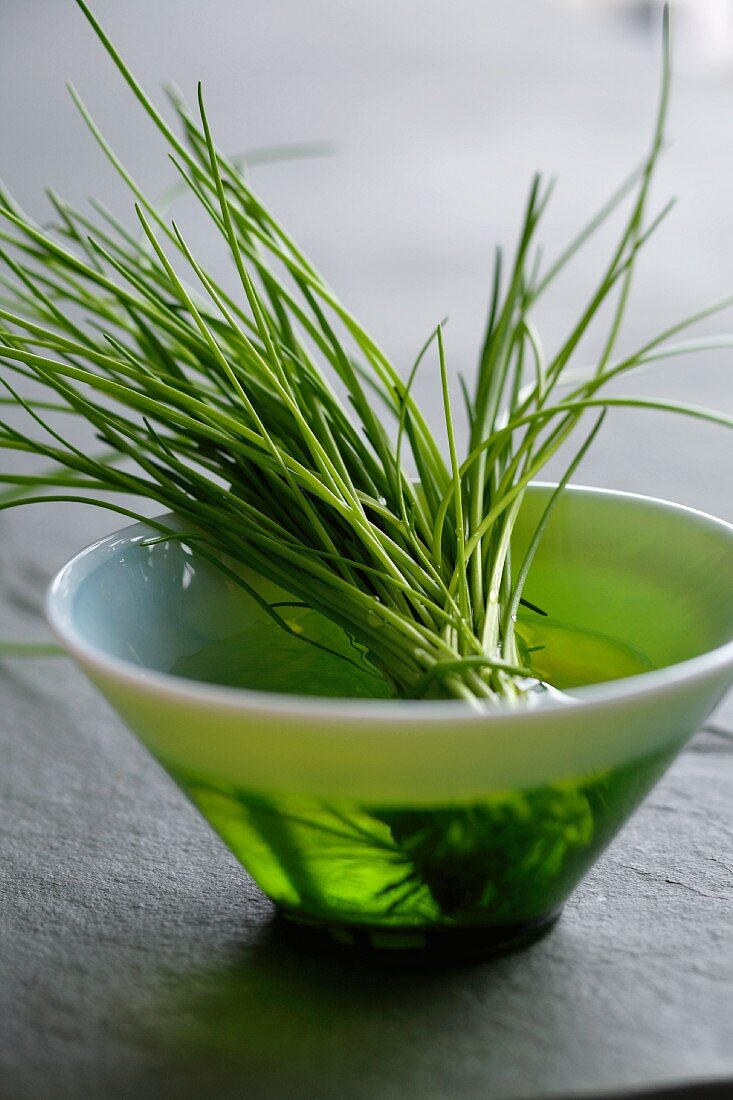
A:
(426, 823)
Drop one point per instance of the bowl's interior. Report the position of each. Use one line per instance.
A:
(628, 584)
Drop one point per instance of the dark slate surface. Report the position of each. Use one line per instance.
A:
(139, 960)
(136, 958)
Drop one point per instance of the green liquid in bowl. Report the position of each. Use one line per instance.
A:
(510, 859)
(503, 862)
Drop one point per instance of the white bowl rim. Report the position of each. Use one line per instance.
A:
(396, 711)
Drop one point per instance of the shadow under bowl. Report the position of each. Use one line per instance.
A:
(408, 824)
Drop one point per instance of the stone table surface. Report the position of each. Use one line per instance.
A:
(136, 957)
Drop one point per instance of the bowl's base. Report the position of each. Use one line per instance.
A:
(448, 943)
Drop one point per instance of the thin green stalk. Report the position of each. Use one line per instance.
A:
(275, 426)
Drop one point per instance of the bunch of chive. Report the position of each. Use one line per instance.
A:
(229, 408)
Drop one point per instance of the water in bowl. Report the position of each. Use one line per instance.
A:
(401, 875)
